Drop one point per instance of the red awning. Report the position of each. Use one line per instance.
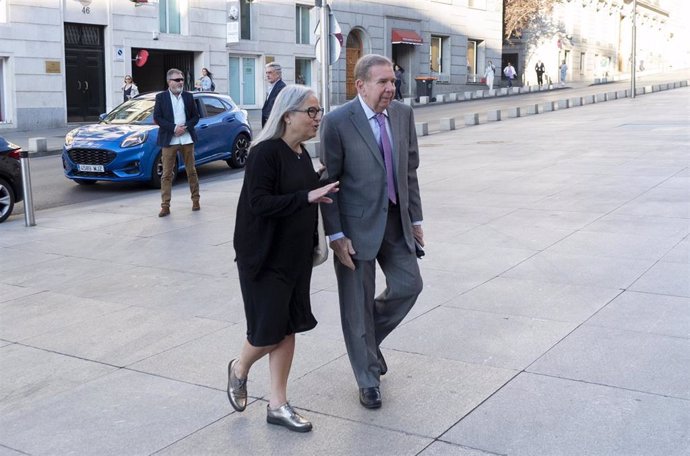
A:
(401, 36)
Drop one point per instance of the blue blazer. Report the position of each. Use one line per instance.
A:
(268, 104)
(164, 116)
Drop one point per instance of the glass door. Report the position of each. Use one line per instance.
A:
(242, 80)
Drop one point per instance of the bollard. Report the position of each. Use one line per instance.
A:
(471, 119)
(29, 219)
(493, 115)
(514, 112)
(447, 123)
(421, 128)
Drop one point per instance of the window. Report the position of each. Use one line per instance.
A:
(435, 56)
(3, 91)
(212, 106)
(169, 12)
(472, 46)
(477, 4)
(582, 62)
(439, 59)
(303, 71)
(242, 80)
(245, 20)
(302, 28)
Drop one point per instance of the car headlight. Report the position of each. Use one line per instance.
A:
(135, 139)
(69, 137)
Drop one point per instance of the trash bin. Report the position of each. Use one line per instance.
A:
(425, 86)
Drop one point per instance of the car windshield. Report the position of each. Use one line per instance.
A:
(138, 111)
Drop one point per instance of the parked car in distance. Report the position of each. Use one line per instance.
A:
(122, 146)
(10, 178)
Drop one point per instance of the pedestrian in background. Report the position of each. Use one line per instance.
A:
(510, 73)
(129, 89)
(398, 81)
(489, 74)
(274, 76)
(370, 147)
(176, 115)
(540, 69)
(274, 242)
(206, 81)
(564, 72)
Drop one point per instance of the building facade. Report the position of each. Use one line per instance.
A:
(595, 40)
(65, 60)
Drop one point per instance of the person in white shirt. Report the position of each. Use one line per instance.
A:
(510, 73)
(176, 115)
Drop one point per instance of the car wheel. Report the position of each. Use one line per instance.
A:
(157, 172)
(240, 150)
(85, 181)
(7, 199)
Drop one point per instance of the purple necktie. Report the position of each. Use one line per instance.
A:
(387, 156)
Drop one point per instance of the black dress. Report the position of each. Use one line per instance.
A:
(274, 242)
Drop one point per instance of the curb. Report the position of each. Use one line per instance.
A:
(472, 119)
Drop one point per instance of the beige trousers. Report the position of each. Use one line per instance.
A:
(168, 155)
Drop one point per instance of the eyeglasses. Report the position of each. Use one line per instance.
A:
(312, 112)
(177, 79)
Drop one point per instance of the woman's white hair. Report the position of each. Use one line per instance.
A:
(291, 98)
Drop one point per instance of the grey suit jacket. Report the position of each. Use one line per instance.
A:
(352, 156)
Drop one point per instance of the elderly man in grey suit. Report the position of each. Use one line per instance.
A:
(370, 146)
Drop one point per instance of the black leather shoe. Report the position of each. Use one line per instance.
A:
(383, 367)
(370, 397)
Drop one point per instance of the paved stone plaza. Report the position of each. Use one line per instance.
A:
(555, 317)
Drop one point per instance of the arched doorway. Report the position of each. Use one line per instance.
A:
(353, 51)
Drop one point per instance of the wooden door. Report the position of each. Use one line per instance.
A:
(351, 57)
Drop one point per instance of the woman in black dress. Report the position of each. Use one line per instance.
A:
(274, 242)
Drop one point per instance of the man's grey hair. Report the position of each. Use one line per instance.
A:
(275, 66)
(291, 98)
(364, 64)
(172, 72)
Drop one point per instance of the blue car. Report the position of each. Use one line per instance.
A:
(122, 146)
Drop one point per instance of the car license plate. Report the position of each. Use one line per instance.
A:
(91, 168)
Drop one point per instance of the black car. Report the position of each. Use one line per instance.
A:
(10, 178)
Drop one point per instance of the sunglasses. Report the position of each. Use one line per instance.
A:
(177, 79)
(312, 112)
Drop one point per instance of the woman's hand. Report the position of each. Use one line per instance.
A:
(319, 195)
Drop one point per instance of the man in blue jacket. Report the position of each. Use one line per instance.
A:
(176, 115)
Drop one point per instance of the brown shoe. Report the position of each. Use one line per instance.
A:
(196, 206)
(164, 211)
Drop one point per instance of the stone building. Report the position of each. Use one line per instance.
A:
(594, 38)
(65, 60)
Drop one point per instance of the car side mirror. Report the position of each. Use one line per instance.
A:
(102, 116)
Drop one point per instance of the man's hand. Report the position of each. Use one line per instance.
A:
(418, 234)
(180, 130)
(343, 250)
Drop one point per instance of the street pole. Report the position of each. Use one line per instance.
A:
(634, 49)
(325, 59)
(29, 219)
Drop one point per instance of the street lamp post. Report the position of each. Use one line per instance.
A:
(634, 49)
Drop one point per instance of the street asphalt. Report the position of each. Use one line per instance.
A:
(555, 316)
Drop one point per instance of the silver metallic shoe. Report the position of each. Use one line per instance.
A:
(286, 416)
(237, 389)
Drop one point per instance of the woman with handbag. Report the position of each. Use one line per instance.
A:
(274, 242)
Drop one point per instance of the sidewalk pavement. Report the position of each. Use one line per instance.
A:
(555, 316)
